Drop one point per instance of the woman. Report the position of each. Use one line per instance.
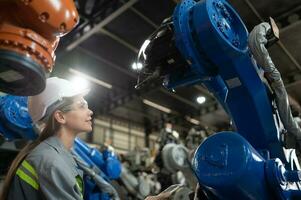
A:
(45, 169)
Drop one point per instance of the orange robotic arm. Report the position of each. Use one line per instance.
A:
(29, 34)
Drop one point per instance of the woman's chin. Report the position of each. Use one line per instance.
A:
(89, 129)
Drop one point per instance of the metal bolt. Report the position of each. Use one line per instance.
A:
(15, 43)
(226, 13)
(44, 17)
(220, 4)
(214, 17)
(63, 27)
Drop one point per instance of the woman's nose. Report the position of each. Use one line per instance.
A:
(90, 112)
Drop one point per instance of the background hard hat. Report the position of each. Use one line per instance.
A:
(56, 89)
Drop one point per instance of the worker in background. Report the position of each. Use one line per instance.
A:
(45, 168)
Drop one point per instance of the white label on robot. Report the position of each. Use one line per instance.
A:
(233, 82)
(11, 76)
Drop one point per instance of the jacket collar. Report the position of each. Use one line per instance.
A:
(55, 142)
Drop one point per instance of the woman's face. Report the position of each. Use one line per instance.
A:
(79, 117)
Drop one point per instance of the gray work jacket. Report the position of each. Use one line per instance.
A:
(50, 172)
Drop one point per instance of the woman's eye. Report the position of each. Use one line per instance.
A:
(83, 105)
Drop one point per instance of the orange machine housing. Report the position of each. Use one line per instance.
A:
(29, 34)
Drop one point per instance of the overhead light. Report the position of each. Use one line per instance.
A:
(192, 120)
(80, 83)
(134, 66)
(90, 78)
(137, 66)
(201, 99)
(157, 106)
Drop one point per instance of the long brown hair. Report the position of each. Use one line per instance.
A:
(52, 126)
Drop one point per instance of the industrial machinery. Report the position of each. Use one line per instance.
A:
(141, 176)
(138, 176)
(174, 160)
(206, 42)
(195, 137)
(99, 167)
(29, 34)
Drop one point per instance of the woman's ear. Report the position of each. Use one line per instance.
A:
(60, 117)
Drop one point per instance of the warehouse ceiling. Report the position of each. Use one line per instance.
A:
(106, 41)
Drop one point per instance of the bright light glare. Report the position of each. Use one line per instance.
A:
(201, 99)
(90, 78)
(80, 83)
(56, 4)
(134, 66)
(137, 66)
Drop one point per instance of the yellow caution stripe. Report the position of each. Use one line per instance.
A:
(79, 183)
(27, 166)
(27, 179)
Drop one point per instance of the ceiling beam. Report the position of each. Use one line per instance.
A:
(285, 21)
(291, 26)
(179, 98)
(146, 19)
(203, 90)
(119, 40)
(150, 22)
(103, 23)
(101, 59)
(136, 112)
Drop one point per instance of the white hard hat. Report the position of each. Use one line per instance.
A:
(56, 89)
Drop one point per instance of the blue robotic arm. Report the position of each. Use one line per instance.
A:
(99, 169)
(206, 42)
(15, 122)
